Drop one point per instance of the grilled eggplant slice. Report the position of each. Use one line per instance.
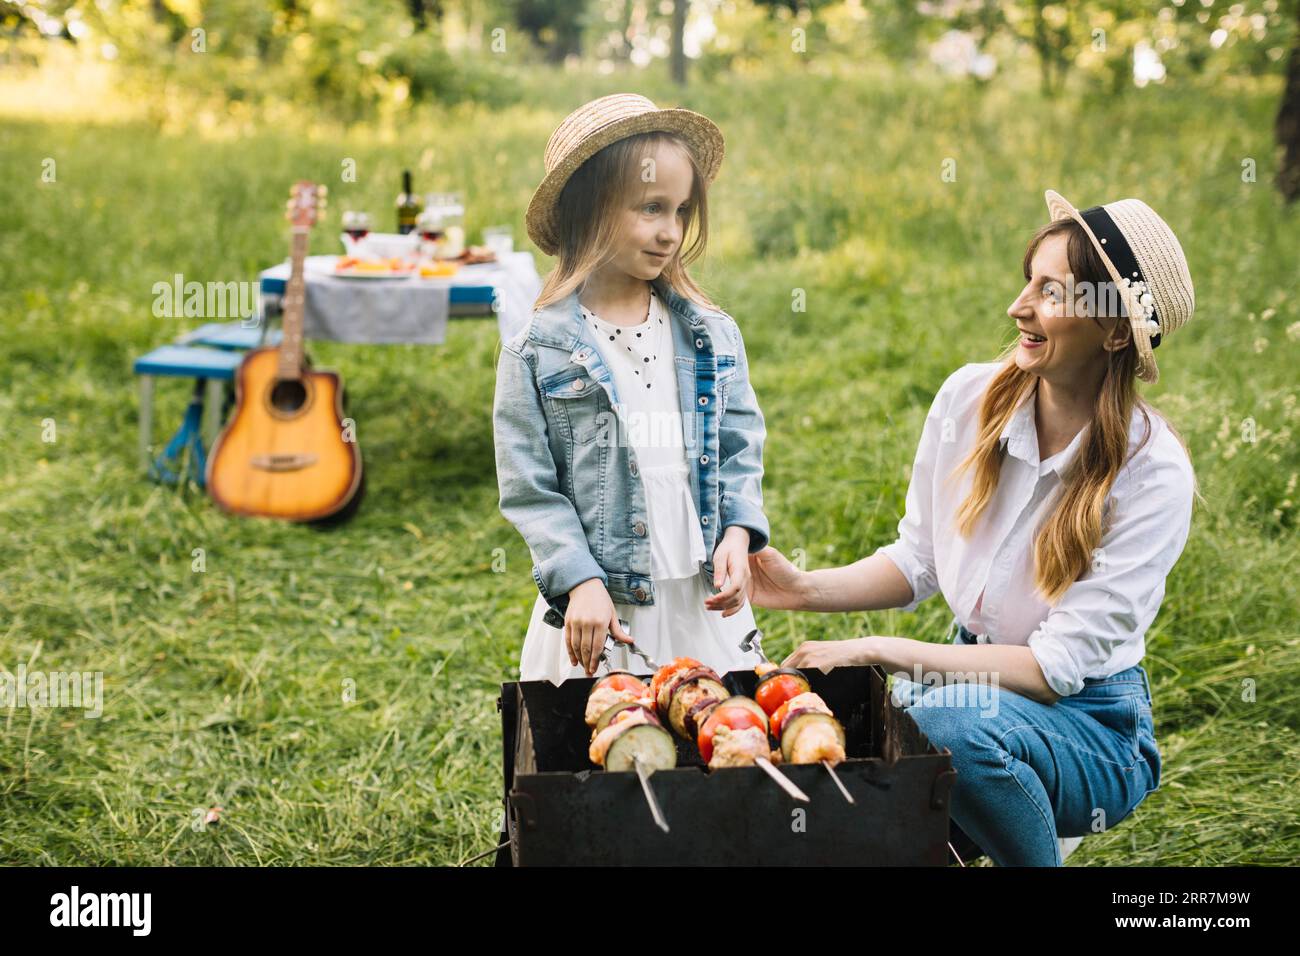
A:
(795, 723)
(603, 721)
(650, 744)
(671, 685)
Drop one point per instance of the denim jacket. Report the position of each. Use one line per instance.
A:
(568, 478)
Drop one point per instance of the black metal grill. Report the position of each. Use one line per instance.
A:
(561, 810)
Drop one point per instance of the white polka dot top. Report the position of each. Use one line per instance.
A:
(640, 358)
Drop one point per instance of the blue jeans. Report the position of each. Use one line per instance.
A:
(1030, 772)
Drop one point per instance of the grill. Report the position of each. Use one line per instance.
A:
(561, 810)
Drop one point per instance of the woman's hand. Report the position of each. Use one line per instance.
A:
(589, 617)
(775, 582)
(730, 560)
(825, 655)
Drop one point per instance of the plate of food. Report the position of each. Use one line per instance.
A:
(356, 267)
(476, 255)
(439, 269)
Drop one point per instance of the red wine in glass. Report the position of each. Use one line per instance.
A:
(356, 224)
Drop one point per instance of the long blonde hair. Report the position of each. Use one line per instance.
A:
(591, 204)
(1065, 541)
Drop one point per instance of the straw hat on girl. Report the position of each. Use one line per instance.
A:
(590, 128)
(1147, 264)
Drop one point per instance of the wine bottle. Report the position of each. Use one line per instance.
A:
(408, 205)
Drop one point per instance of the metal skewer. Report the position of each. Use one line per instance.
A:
(631, 646)
(642, 772)
(838, 782)
(754, 641)
(751, 642)
(784, 782)
(556, 619)
(496, 849)
(644, 776)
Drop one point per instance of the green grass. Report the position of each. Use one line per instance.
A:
(226, 685)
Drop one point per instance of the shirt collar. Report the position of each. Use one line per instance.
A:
(1020, 437)
(560, 324)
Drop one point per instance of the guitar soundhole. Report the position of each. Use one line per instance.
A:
(288, 396)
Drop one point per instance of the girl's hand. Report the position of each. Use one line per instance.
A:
(589, 617)
(825, 655)
(774, 581)
(730, 560)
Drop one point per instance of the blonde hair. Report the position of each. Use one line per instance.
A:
(1065, 541)
(591, 204)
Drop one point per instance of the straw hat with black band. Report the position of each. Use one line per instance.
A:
(1147, 264)
(589, 129)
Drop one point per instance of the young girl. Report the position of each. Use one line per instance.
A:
(628, 440)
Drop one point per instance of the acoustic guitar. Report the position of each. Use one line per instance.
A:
(287, 451)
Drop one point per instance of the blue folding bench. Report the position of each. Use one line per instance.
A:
(209, 355)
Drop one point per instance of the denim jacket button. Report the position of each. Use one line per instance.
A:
(704, 520)
(633, 468)
(704, 399)
(639, 529)
(704, 459)
(579, 385)
(699, 343)
(639, 594)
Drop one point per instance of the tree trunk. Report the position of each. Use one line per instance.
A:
(1044, 52)
(625, 42)
(1287, 127)
(176, 26)
(422, 11)
(679, 53)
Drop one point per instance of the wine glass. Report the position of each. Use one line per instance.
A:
(356, 226)
(429, 225)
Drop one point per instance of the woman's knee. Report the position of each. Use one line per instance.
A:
(952, 716)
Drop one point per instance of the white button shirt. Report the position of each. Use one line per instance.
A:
(1098, 626)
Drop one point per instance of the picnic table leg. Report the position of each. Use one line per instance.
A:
(270, 312)
(146, 419)
(267, 305)
(212, 410)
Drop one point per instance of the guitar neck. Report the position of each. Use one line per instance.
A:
(294, 299)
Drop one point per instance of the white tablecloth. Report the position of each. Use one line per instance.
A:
(411, 309)
(517, 283)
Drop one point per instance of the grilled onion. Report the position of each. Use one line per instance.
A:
(690, 691)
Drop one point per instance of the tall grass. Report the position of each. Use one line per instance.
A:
(225, 686)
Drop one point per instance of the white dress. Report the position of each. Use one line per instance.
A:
(677, 624)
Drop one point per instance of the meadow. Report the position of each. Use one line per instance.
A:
(227, 644)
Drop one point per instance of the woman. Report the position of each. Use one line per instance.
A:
(1047, 504)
